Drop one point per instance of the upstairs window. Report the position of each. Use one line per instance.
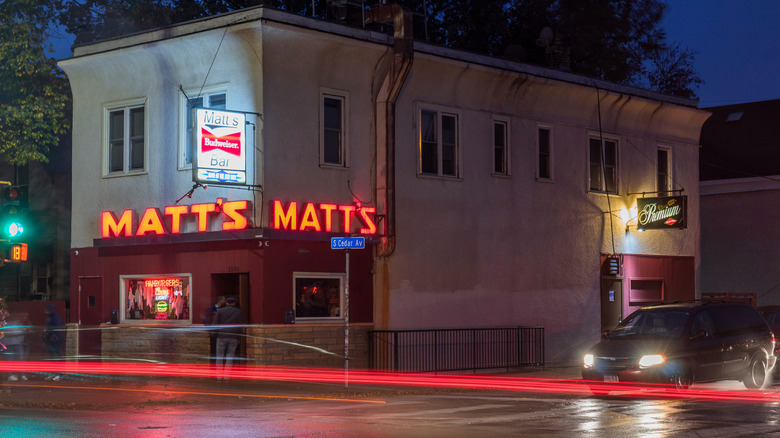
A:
(544, 154)
(439, 152)
(664, 176)
(125, 146)
(333, 120)
(500, 148)
(603, 170)
(215, 99)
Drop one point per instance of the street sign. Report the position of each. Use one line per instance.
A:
(347, 242)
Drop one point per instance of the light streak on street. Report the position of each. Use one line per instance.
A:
(332, 375)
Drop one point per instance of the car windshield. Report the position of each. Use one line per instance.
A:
(667, 323)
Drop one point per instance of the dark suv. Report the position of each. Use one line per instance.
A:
(682, 343)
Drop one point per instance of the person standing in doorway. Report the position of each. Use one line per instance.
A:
(208, 321)
(229, 317)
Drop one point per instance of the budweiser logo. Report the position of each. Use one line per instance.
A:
(230, 143)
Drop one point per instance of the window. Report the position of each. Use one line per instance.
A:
(664, 176)
(603, 167)
(126, 139)
(646, 290)
(216, 99)
(333, 145)
(438, 143)
(318, 295)
(544, 153)
(158, 299)
(500, 148)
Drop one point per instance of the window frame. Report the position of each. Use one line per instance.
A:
(343, 97)
(602, 182)
(126, 107)
(550, 153)
(669, 167)
(506, 146)
(123, 282)
(185, 115)
(457, 154)
(340, 276)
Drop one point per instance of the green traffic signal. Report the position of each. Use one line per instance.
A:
(14, 208)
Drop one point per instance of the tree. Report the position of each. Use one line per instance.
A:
(672, 71)
(34, 94)
(614, 40)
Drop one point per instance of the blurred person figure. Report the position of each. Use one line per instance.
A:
(208, 321)
(15, 340)
(227, 337)
(54, 336)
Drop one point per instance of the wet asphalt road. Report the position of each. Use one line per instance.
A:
(197, 408)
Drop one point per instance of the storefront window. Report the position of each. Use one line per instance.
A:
(318, 295)
(156, 299)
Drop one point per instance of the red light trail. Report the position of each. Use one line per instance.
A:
(332, 375)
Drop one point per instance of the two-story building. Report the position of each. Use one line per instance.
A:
(491, 193)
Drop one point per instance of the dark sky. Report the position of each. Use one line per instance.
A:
(737, 44)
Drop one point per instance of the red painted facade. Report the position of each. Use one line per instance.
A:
(220, 267)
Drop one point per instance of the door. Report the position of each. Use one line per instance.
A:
(234, 285)
(611, 303)
(90, 315)
(705, 347)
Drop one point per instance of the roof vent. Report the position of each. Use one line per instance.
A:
(735, 116)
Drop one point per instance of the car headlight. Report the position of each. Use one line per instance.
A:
(651, 360)
(587, 361)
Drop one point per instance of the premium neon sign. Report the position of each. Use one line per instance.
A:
(323, 217)
(169, 221)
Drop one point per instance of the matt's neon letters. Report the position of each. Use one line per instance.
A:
(153, 221)
(324, 217)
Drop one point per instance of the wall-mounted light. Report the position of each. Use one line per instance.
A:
(630, 215)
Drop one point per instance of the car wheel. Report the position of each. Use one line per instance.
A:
(756, 375)
(682, 379)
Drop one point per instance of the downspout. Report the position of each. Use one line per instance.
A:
(403, 57)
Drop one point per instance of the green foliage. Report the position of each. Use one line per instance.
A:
(34, 95)
(615, 40)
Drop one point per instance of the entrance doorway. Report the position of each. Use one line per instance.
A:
(90, 316)
(611, 302)
(234, 285)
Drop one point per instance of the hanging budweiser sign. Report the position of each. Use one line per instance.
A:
(662, 213)
(220, 147)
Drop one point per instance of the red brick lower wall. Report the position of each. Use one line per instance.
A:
(312, 345)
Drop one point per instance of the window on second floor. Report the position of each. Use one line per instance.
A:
(125, 144)
(603, 166)
(438, 143)
(214, 99)
(333, 120)
(500, 147)
(664, 169)
(544, 168)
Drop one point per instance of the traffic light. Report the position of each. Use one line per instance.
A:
(13, 221)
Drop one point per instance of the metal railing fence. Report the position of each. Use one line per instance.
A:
(456, 349)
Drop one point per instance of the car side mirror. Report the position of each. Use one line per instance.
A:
(699, 334)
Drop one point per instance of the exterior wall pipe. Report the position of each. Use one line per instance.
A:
(403, 56)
